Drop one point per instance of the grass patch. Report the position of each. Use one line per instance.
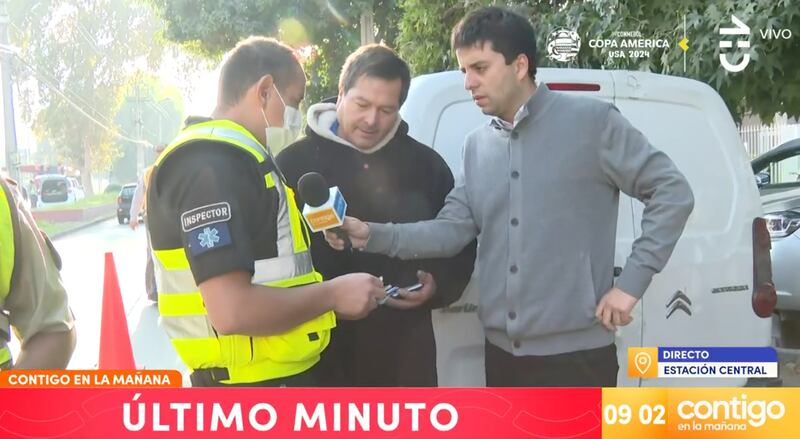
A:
(51, 228)
(93, 201)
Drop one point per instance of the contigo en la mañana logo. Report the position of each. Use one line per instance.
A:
(563, 45)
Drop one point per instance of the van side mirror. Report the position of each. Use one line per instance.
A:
(762, 178)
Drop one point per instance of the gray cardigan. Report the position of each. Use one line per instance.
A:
(543, 200)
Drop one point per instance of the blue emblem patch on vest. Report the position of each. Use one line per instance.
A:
(208, 238)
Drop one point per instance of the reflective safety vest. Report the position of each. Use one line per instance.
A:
(8, 219)
(183, 313)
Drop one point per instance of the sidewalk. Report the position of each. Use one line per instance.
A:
(58, 230)
(60, 222)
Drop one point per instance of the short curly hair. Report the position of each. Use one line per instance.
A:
(509, 33)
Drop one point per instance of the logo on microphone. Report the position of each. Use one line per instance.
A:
(327, 215)
(322, 220)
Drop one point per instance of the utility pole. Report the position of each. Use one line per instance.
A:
(139, 122)
(367, 27)
(9, 127)
(162, 117)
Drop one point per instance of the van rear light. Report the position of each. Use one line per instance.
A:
(764, 300)
(571, 86)
(764, 295)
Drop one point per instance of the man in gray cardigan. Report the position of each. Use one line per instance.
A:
(540, 190)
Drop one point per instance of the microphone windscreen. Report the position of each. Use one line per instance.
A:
(313, 189)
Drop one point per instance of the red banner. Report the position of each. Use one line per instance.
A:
(303, 413)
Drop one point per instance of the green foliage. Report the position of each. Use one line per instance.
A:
(329, 28)
(424, 31)
(79, 55)
(768, 86)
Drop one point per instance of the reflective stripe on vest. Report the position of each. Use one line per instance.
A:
(5, 358)
(183, 313)
(7, 255)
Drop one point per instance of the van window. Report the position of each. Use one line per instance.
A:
(127, 191)
(54, 191)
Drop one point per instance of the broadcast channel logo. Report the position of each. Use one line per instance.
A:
(563, 45)
(702, 362)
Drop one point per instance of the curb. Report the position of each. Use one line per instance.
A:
(81, 227)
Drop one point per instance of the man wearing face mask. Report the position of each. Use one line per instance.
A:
(361, 144)
(279, 138)
(237, 290)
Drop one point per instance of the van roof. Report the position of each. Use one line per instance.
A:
(613, 83)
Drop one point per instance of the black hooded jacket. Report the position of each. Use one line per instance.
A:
(404, 181)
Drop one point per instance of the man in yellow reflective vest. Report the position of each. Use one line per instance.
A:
(237, 291)
(32, 298)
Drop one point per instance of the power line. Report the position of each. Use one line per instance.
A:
(116, 132)
(88, 39)
(54, 83)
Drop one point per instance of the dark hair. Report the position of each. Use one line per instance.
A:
(509, 33)
(252, 59)
(377, 61)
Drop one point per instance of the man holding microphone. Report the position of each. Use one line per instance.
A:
(542, 198)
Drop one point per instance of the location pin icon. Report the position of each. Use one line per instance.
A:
(642, 362)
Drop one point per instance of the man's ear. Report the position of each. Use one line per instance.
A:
(523, 64)
(264, 87)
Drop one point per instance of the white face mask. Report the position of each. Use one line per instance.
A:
(278, 138)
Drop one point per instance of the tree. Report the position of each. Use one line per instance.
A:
(326, 31)
(79, 55)
(768, 86)
(423, 38)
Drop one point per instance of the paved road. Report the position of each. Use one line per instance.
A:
(83, 254)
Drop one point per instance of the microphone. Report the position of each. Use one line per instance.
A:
(325, 206)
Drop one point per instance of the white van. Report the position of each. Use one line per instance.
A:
(716, 289)
(56, 189)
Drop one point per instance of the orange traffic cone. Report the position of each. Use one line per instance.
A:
(115, 344)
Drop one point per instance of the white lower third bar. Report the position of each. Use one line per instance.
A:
(717, 370)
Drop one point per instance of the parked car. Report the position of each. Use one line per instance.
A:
(57, 189)
(777, 177)
(76, 188)
(715, 290)
(124, 203)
